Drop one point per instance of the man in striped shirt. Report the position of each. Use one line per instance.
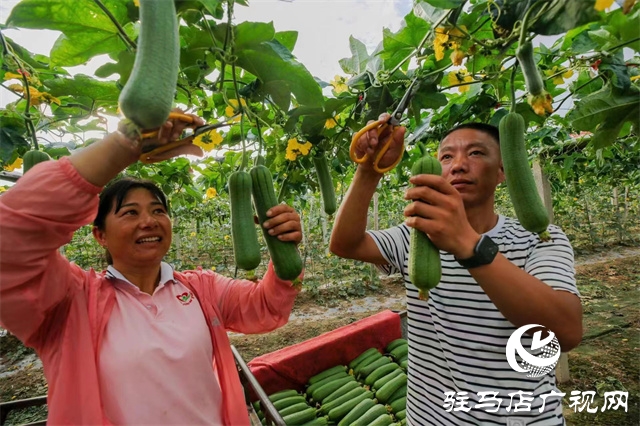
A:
(458, 369)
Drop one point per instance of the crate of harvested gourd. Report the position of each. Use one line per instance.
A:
(354, 375)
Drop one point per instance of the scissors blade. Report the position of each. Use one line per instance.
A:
(404, 102)
(209, 127)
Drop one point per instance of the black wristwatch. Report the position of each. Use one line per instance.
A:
(483, 253)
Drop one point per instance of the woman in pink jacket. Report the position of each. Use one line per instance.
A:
(139, 343)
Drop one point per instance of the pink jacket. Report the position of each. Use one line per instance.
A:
(62, 310)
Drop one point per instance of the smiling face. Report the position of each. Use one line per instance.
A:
(139, 233)
(471, 162)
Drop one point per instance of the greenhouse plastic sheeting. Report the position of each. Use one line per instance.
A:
(291, 367)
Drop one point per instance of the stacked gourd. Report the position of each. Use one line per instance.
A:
(370, 390)
(293, 408)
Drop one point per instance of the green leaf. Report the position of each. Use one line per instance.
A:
(10, 140)
(248, 34)
(605, 112)
(399, 47)
(83, 86)
(564, 16)
(625, 28)
(583, 43)
(445, 4)
(287, 38)
(359, 59)
(426, 11)
(86, 30)
(603, 38)
(607, 132)
(123, 67)
(615, 68)
(276, 67)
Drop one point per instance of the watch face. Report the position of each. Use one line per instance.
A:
(486, 250)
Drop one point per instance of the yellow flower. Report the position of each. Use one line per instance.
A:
(330, 123)
(294, 149)
(603, 4)
(226, 238)
(541, 103)
(36, 97)
(339, 84)
(2, 189)
(440, 42)
(15, 165)
(193, 234)
(209, 140)
(213, 268)
(211, 192)
(447, 39)
(457, 56)
(305, 148)
(9, 75)
(233, 109)
(559, 78)
(462, 76)
(456, 36)
(635, 77)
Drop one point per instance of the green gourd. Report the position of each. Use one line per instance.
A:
(527, 204)
(246, 249)
(147, 97)
(32, 158)
(425, 269)
(286, 259)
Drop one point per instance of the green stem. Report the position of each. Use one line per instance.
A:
(123, 35)
(227, 39)
(244, 146)
(27, 114)
(525, 21)
(513, 87)
(623, 44)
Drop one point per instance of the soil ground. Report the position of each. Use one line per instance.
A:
(607, 359)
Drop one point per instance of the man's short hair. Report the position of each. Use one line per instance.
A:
(489, 129)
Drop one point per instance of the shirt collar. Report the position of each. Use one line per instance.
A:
(166, 274)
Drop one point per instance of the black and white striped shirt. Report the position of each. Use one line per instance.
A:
(457, 339)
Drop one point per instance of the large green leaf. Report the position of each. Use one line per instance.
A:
(605, 112)
(426, 11)
(287, 38)
(86, 30)
(276, 67)
(122, 67)
(399, 47)
(625, 28)
(247, 34)
(357, 63)
(615, 68)
(82, 86)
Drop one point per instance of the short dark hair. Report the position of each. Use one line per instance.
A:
(489, 129)
(117, 190)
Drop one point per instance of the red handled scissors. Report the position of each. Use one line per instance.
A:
(382, 126)
(150, 151)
